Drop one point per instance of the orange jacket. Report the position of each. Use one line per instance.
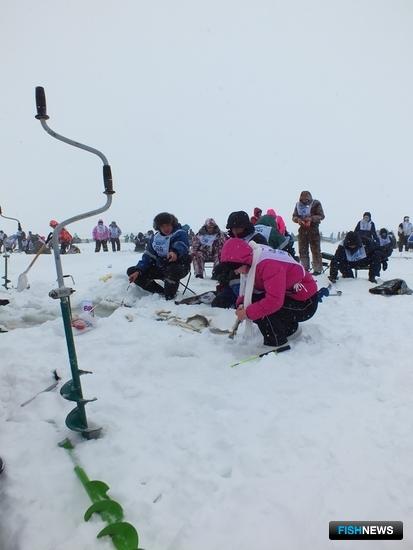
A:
(65, 236)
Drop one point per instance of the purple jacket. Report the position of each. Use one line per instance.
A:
(100, 233)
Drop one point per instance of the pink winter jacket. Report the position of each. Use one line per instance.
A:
(282, 228)
(277, 278)
(100, 233)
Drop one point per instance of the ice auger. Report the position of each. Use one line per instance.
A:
(72, 390)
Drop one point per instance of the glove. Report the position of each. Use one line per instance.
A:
(240, 301)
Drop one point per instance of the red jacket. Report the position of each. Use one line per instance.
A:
(65, 236)
(256, 216)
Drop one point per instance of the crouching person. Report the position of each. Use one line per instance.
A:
(354, 253)
(387, 243)
(166, 258)
(279, 292)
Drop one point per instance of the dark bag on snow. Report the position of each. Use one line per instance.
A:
(392, 288)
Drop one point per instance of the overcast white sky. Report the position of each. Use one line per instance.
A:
(207, 107)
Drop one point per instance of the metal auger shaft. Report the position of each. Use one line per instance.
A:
(72, 390)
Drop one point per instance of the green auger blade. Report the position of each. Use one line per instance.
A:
(97, 490)
(70, 392)
(124, 535)
(110, 510)
(75, 420)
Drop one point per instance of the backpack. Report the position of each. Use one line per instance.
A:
(392, 288)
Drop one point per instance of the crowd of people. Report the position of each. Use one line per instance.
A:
(255, 265)
(253, 262)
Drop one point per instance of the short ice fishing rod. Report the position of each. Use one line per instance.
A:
(72, 390)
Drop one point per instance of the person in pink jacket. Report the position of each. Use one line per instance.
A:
(279, 220)
(101, 235)
(279, 292)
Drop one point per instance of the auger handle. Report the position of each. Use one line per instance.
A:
(107, 180)
(41, 104)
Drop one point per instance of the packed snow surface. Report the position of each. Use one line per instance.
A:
(202, 456)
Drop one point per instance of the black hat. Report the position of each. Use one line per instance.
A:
(238, 219)
(160, 219)
(352, 240)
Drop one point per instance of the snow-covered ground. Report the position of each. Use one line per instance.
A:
(203, 456)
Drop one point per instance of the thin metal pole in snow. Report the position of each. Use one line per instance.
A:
(6, 255)
(72, 390)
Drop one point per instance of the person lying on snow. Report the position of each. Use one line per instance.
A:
(276, 292)
(166, 258)
(356, 253)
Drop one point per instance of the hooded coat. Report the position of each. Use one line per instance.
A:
(316, 213)
(257, 214)
(274, 239)
(276, 277)
(100, 232)
(367, 229)
(282, 228)
(342, 258)
(178, 243)
(199, 243)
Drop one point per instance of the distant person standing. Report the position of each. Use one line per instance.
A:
(308, 213)
(21, 235)
(404, 231)
(366, 228)
(115, 232)
(101, 235)
(256, 215)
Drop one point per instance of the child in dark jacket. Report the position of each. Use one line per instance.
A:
(240, 226)
(166, 257)
(386, 244)
(356, 253)
(366, 228)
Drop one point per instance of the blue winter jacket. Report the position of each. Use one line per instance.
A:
(179, 244)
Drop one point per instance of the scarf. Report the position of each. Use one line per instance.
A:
(247, 286)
